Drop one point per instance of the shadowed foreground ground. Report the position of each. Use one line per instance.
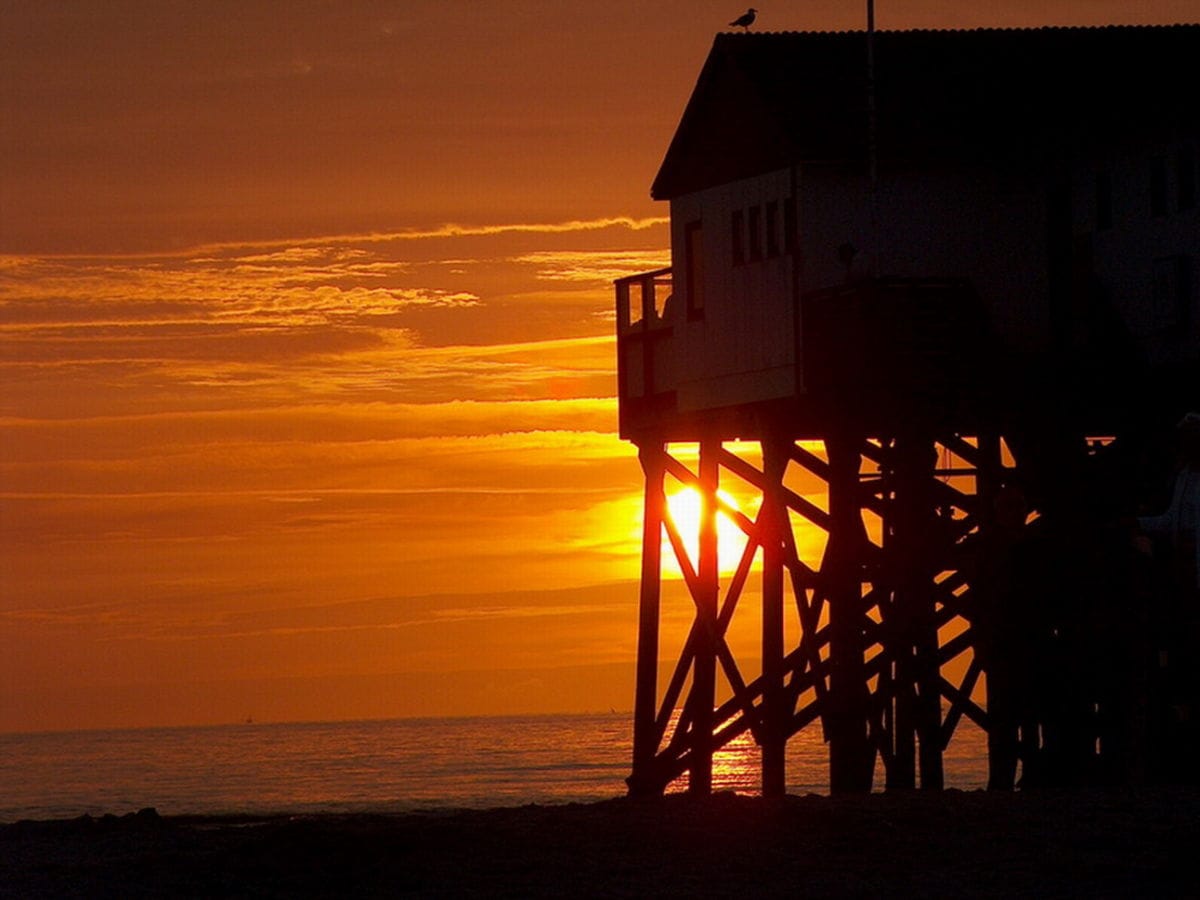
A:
(1110, 844)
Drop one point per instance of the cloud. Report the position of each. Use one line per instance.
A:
(304, 436)
(451, 230)
(321, 298)
(349, 421)
(295, 247)
(593, 266)
(353, 310)
(292, 287)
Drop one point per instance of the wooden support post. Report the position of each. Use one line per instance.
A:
(917, 511)
(704, 671)
(773, 521)
(851, 756)
(645, 737)
(988, 472)
(902, 773)
(1001, 724)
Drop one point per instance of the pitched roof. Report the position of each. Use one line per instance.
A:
(765, 100)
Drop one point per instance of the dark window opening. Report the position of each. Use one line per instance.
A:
(1104, 210)
(693, 248)
(1186, 185)
(756, 248)
(789, 225)
(772, 230)
(737, 230)
(1158, 186)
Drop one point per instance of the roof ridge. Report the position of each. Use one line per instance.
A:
(740, 35)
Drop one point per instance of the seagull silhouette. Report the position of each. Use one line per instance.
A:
(746, 19)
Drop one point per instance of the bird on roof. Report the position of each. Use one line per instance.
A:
(746, 19)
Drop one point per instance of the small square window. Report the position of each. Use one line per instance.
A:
(772, 229)
(789, 224)
(756, 247)
(737, 233)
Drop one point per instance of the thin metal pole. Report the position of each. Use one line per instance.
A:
(873, 161)
(872, 151)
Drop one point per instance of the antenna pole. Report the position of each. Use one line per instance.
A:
(872, 156)
(872, 152)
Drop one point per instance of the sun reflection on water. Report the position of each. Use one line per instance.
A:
(737, 766)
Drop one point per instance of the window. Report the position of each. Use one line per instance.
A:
(756, 248)
(772, 230)
(789, 225)
(1158, 186)
(693, 249)
(737, 230)
(1104, 210)
(1186, 175)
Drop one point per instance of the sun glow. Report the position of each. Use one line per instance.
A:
(685, 508)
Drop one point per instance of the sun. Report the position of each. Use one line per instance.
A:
(685, 508)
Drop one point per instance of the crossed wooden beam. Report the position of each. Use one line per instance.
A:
(798, 691)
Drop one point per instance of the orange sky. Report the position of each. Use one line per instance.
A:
(306, 373)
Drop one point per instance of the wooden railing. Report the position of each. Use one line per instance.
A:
(642, 321)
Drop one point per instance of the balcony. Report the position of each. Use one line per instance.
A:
(645, 325)
(645, 314)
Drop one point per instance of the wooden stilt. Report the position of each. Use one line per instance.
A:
(902, 773)
(917, 460)
(773, 520)
(704, 668)
(851, 757)
(645, 733)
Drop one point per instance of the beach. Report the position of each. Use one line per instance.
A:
(1094, 843)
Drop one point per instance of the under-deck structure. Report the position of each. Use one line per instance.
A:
(953, 373)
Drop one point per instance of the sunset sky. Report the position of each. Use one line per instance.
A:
(306, 367)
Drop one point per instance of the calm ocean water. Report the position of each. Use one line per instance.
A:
(386, 766)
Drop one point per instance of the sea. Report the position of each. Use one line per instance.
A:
(386, 766)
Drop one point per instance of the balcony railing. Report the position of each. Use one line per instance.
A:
(642, 300)
(644, 328)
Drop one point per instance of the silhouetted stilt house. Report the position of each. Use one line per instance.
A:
(979, 355)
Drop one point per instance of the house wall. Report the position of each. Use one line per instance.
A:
(976, 223)
(740, 349)
(967, 223)
(1050, 277)
(1143, 251)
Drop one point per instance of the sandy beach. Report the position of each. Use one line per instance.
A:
(1120, 843)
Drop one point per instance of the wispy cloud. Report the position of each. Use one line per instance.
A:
(346, 421)
(450, 230)
(292, 287)
(294, 246)
(288, 326)
(593, 266)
